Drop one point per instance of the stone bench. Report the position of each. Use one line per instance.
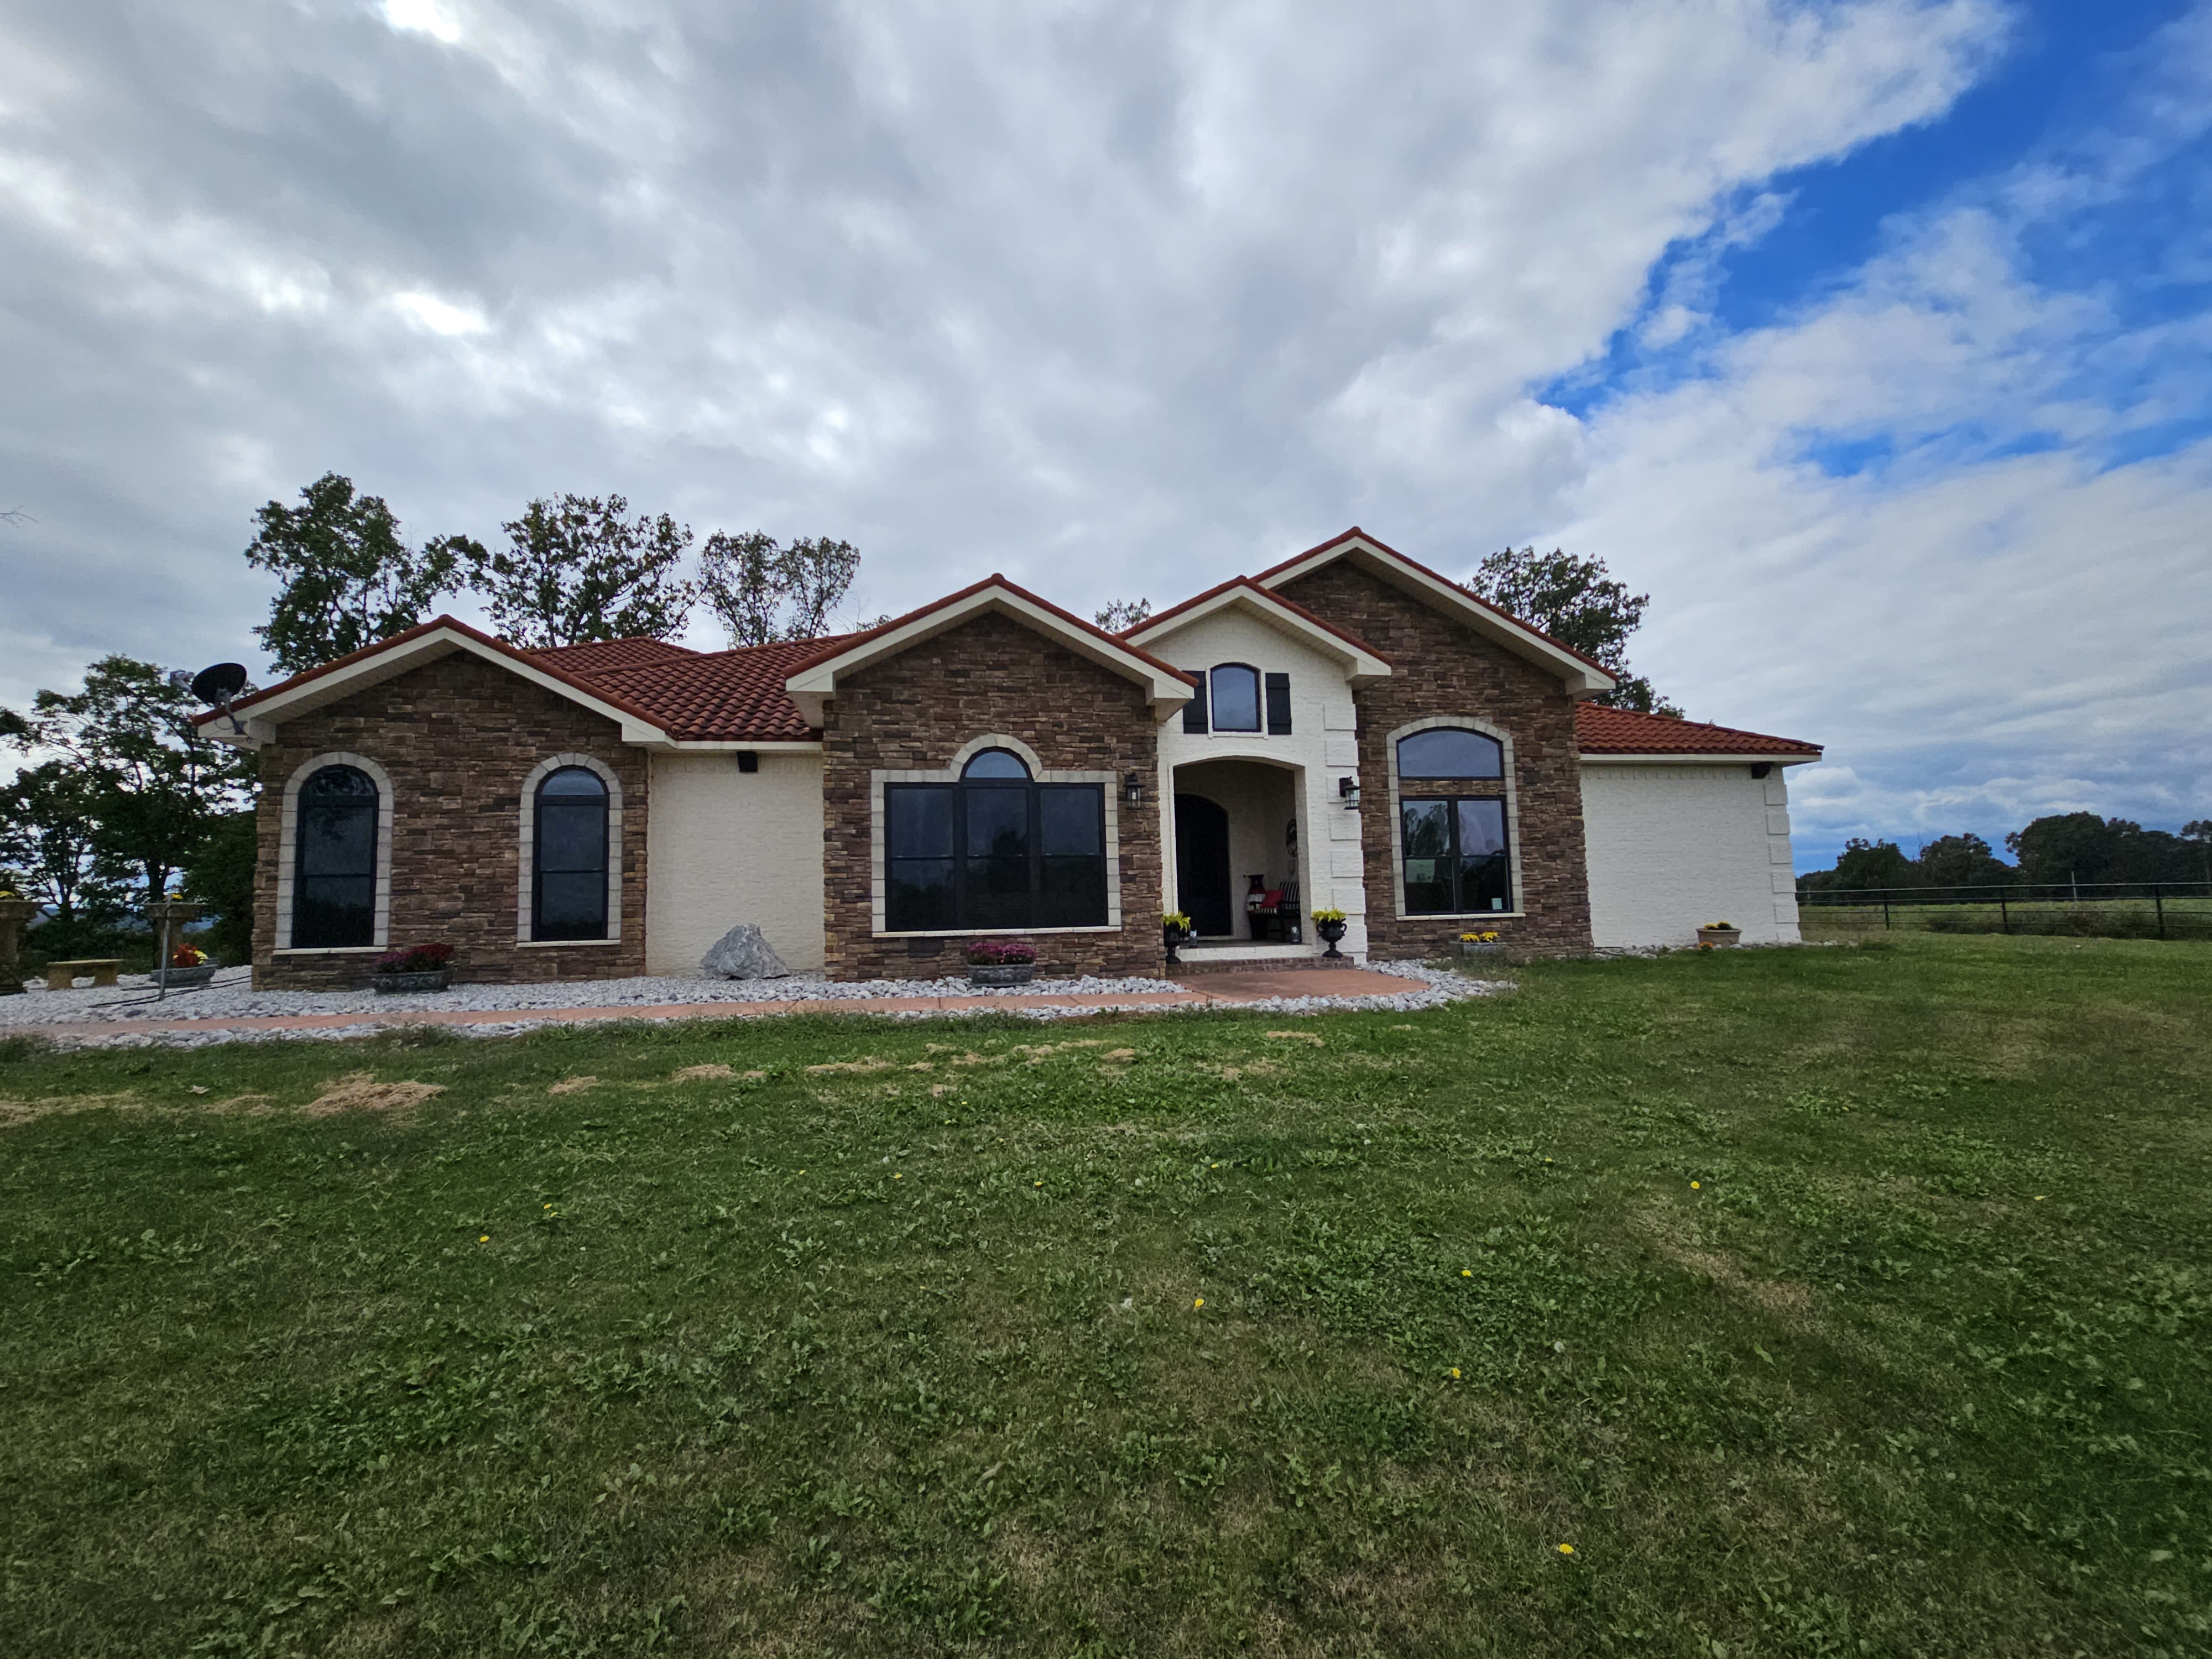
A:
(61, 976)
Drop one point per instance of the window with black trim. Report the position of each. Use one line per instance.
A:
(568, 870)
(1236, 697)
(996, 849)
(334, 878)
(1453, 844)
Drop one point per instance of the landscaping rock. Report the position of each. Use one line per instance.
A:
(743, 953)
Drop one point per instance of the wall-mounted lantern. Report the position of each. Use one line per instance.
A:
(1348, 789)
(1132, 789)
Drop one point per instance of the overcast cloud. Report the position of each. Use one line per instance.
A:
(1121, 298)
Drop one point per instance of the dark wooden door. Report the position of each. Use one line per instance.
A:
(1202, 866)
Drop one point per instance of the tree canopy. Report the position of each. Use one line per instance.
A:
(350, 579)
(764, 591)
(1578, 603)
(1122, 614)
(579, 568)
(2059, 850)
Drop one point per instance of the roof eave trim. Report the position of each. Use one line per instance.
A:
(1361, 665)
(812, 688)
(1582, 678)
(1702, 757)
(374, 666)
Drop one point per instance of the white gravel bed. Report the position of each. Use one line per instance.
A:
(1429, 987)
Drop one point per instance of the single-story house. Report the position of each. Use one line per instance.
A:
(1348, 730)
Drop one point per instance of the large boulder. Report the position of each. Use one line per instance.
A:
(743, 953)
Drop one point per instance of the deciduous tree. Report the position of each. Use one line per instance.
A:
(1577, 603)
(580, 568)
(350, 579)
(764, 591)
(48, 831)
(1122, 614)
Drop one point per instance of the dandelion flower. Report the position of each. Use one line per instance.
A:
(1200, 1302)
(2039, 1198)
(1467, 1272)
(899, 1176)
(1567, 1549)
(1036, 1183)
(1694, 1186)
(486, 1239)
(1454, 1373)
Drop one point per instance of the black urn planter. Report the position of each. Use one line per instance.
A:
(1174, 937)
(429, 979)
(1331, 931)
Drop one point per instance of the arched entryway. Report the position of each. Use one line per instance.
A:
(1202, 880)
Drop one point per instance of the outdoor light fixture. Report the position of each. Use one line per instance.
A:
(1349, 789)
(1132, 789)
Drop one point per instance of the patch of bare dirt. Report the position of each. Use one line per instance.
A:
(866, 1063)
(574, 1085)
(361, 1092)
(1777, 1295)
(1314, 1037)
(14, 1111)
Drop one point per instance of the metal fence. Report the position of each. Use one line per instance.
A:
(2108, 909)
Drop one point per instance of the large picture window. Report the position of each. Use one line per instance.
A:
(1236, 698)
(568, 899)
(996, 849)
(334, 881)
(1455, 856)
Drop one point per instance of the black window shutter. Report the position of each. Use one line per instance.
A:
(1193, 712)
(1278, 705)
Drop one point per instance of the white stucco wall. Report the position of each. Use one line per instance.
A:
(1672, 847)
(724, 846)
(1323, 746)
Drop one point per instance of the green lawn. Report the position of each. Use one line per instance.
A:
(1827, 1302)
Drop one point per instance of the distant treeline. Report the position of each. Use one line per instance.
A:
(2067, 847)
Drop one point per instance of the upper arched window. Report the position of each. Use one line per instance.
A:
(995, 764)
(1448, 752)
(334, 882)
(568, 897)
(1236, 697)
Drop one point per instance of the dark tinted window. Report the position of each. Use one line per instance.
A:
(1456, 856)
(1236, 698)
(334, 878)
(995, 764)
(569, 896)
(992, 852)
(1447, 753)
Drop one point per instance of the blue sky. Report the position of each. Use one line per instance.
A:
(1870, 337)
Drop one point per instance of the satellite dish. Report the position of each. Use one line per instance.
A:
(218, 685)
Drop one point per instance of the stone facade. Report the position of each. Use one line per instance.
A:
(1443, 668)
(458, 737)
(915, 711)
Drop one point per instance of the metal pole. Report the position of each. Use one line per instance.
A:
(161, 961)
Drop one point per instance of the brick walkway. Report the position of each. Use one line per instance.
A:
(1216, 990)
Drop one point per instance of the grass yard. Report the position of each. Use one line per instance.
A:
(1841, 1301)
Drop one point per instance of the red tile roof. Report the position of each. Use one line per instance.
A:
(593, 655)
(1602, 731)
(726, 696)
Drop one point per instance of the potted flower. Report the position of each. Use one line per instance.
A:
(1715, 934)
(1330, 924)
(1175, 928)
(1486, 944)
(188, 966)
(1000, 962)
(416, 968)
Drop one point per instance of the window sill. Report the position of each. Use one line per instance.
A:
(995, 933)
(330, 949)
(1462, 915)
(566, 943)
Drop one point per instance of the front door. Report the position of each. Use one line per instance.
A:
(1202, 866)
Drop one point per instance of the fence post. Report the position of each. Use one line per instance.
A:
(1885, 915)
(2158, 898)
(2004, 915)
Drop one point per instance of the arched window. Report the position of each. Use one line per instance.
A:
(334, 880)
(1451, 828)
(568, 897)
(996, 849)
(1447, 752)
(1236, 697)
